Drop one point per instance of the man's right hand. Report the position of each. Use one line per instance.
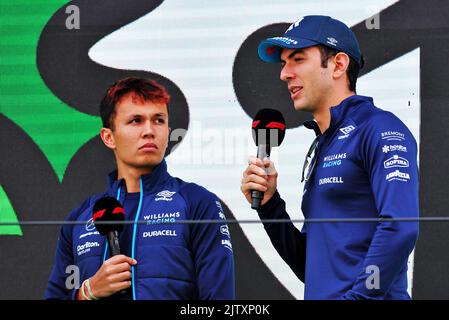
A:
(113, 276)
(261, 176)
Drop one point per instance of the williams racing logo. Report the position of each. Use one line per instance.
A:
(333, 160)
(287, 41)
(162, 217)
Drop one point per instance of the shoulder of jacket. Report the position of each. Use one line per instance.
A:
(374, 118)
(196, 190)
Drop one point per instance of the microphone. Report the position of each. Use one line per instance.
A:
(268, 130)
(109, 210)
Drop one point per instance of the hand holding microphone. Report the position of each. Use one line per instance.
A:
(259, 178)
(114, 274)
(260, 175)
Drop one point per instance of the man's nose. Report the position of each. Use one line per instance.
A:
(147, 129)
(286, 73)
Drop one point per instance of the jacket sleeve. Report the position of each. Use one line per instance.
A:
(389, 153)
(56, 287)
(211, 246)
(288, 241)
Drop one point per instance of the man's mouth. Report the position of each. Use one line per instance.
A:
(148, 147)
(294, 91)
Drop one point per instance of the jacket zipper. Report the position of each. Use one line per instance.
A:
(133, 273)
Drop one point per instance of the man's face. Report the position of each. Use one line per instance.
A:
(140, 135)
(308, 82)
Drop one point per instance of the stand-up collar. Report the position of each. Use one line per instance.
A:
(339, 113)
(151, 181)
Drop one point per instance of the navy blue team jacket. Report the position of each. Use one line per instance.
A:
(366, 168)
(174, 261)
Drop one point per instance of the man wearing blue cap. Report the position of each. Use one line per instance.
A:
(361, 165)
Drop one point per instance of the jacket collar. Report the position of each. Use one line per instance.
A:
(151, 182)
(339, 113)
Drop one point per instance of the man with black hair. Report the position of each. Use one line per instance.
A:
(362, 164)
(160, 259)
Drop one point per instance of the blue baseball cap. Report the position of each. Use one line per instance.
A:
(310, 31)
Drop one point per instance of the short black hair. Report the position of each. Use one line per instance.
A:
(146, 89)
(353, 68)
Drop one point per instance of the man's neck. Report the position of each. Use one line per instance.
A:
(132, 177)
(323, 115)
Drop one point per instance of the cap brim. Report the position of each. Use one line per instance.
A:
(269, 50)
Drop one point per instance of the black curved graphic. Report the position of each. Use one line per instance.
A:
(35, 192)
(257, 84)
(65, 67)
(32, 185)
(404, 26)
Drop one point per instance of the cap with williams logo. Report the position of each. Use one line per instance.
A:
(310, 31)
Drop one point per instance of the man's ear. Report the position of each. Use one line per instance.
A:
(341, 64)
(107, 136)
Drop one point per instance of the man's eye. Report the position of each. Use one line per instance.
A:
(135, 120)
(160, 121)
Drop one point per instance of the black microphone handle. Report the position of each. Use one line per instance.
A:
(263, 151)
(114, 247)
(114, 250)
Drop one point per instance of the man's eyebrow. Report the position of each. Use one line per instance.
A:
(138, 115)
(293, 53)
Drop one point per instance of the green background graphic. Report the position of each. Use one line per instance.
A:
(49, 86)
(7, 214)
(52, 140)
(58, 130)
